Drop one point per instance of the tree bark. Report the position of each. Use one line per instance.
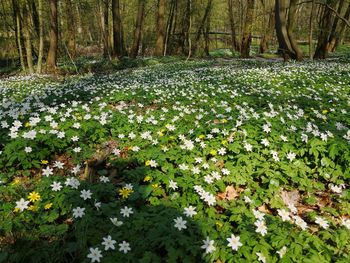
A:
(70, 28)
(290, 28)
(202, 25)
(207, 36)
(284, 45)
(169, 26)
(52, 55)
(311, 29)
(342, 28)
(138, 28)
(334, 31)
(325, 31)
(18, 29)
(264, 43)
(28, 43)
(41, 37)
(118, 41)
(105, 28)
(159, 51)
(234, 42)
(247, 30)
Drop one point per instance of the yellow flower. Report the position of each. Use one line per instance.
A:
(154, 185)
(48, 206)
(27, 124)
(34, 196)
(325, 111)
(16, 209)
(160, 133)
(44, 161)
(202, 136)
(224, 142)
(224, 121)
(16, 181)
(33, 208)
(147, 162)
(125, 192)
(147, 178)
(213, 152)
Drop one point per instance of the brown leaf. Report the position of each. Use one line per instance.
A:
(230, 193)
(290, 198)
(263, 208)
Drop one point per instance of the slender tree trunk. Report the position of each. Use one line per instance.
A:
(18, 29)
(201, 26)
(234, 42)
(284, 45)
(28, 43)
(325, 31)
(185, 38)
(118, 41)
(189, 29)
(264, 43)
(290, 28)
(169, 26)
(311, 29)
(342, 28)
(207, 36)
(334, 31)
(105, 28)
(41, 37)
(52, 55)
(247, 29)
(70, 28)
(159, 51)
(138, 28)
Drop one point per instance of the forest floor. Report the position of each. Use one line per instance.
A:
(197, 161)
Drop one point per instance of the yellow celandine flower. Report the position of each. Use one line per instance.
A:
(213, 152)
(224, 142)
(160, 133)
(147, 178)
(325, 111)
(34, 196)
(48, 206)
(148, 162)
(224, 121)
(27, 124)
(154, 185)
(33, 208)
(44, 161)
(16, 181)
(202, 136)
(16, 210)
(125, 192)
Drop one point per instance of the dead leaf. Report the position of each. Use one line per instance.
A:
(263, 208)
(290, 198)
(230, 193)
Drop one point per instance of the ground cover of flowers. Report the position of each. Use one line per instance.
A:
(190, 162)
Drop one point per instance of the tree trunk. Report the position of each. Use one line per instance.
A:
(342, 29)
(169, 26)
(41, 37)
(160, 29)
(18, 29)
(284, 45)
(27, 34)
(138, 28)
(207, 37)
(234, 42)
(118, 41)
(52, 55)
(70, 28)
(334, 31)
(325, 31)
(311, 29)
(104, 27)
(247, 29)
(186, 24)
(201, 26)
(290, 28)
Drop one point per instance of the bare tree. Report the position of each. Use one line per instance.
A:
(41, 37)
(118, 40)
